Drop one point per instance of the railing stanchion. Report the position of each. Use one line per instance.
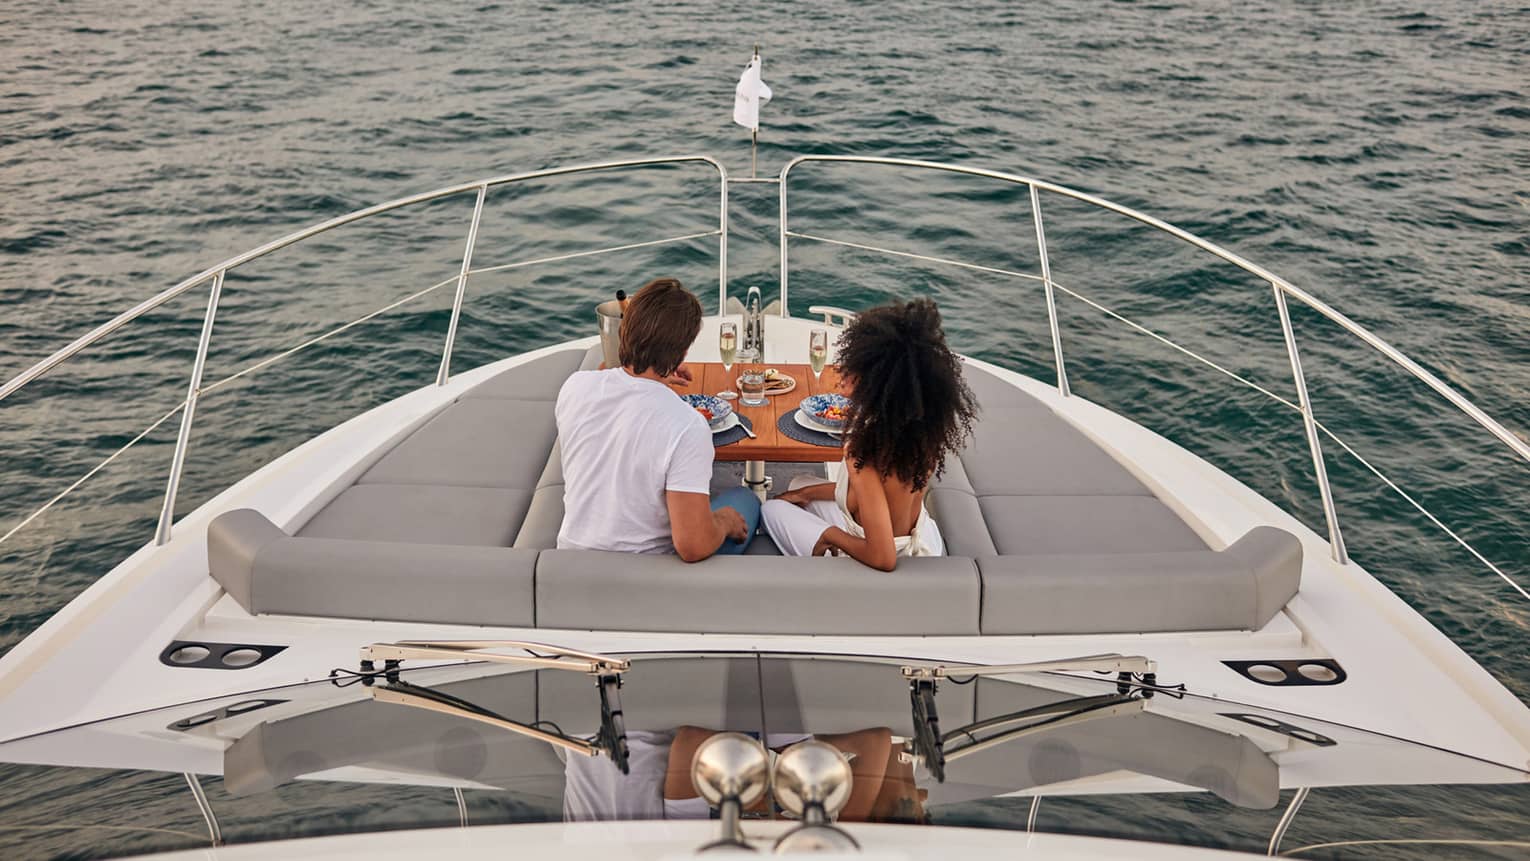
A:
(1286, 819)
(214, 833)
(467, 266)
(1046, 283)
(182, 440)
(1335, 538)
(784, 308)
(722, 244)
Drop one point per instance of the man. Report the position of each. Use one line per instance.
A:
(637, 460)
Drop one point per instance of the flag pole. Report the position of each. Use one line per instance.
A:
(754, 134)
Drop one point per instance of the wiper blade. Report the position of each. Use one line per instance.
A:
(1064, 714)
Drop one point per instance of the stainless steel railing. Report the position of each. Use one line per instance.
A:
(214, 277)
(1281, 288)
(1282, 291)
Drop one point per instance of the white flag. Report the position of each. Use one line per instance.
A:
(751, 93)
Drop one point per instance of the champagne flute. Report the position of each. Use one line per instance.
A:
(727, 347)
(818, 351)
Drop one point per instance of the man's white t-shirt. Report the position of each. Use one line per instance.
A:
(626, 440)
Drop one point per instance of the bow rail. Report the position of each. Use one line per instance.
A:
(1282, 292)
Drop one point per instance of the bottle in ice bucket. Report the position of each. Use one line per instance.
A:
(609, 315)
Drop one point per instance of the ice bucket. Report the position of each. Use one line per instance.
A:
(609, 316)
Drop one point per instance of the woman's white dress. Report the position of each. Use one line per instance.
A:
(796, 529)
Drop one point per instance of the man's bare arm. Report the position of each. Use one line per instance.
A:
(697, 530)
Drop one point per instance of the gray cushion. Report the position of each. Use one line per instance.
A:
(402, 582)
(536, 380)
(762, 545)
(544, 518)
(961, 522)
(552, 471)
(423, 514)
(1084, 524)
(268, 572)
(1239, 588)
(589, 589)
(1016, 451)
(953, 476)
(234, 538)
(477, 442)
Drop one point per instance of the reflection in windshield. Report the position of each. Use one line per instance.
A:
(332, 739)
(659, 785)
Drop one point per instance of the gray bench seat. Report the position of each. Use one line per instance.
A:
(1047, 533)
(268, 571)
(590, 589)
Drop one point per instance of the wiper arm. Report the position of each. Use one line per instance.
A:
(540, 655)
(928, 744)
(610, 739)
(1105, 663)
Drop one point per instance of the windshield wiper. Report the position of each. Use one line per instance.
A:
(610, 739)
(928, 744)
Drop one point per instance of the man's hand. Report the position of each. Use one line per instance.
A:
(732, 523)
(681, 377)
(697, 530)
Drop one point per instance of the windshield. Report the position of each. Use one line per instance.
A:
(485, 743)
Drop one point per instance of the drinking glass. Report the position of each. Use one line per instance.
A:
(752, 383)
(818, 351)
(727, 347)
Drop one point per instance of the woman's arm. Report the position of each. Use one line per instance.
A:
(877, 549)
(823, 490)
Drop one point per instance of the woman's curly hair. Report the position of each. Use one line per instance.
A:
(911, 406)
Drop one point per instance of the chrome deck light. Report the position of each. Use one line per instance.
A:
(731, 771)
(812, 780)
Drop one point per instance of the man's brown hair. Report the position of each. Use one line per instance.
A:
(660, 323)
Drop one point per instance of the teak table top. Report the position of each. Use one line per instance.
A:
(772, 445)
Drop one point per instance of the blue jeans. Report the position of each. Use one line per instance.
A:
(742, 500)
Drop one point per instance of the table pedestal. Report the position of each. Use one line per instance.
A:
(755, 478)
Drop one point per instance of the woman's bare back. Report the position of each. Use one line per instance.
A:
(903, 504)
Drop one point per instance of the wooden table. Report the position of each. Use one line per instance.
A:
(771, 445)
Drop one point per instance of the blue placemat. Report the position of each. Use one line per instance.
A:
(787, 424)
(733, 434)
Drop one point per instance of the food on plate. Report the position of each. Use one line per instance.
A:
(714, 411)
(775, 381)
(833, 413)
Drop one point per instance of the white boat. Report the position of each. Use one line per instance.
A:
(408, 555)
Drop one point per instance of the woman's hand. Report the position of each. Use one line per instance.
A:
(801, 496)
(796, 497)
(825, 545)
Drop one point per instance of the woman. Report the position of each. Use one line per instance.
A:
(909, 408)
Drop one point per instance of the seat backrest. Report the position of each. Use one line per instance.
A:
(591, 589)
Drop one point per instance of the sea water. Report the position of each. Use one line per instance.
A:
(1374, 154)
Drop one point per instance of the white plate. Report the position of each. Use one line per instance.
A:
(727, 424)
(770, 393)
(802, 419)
